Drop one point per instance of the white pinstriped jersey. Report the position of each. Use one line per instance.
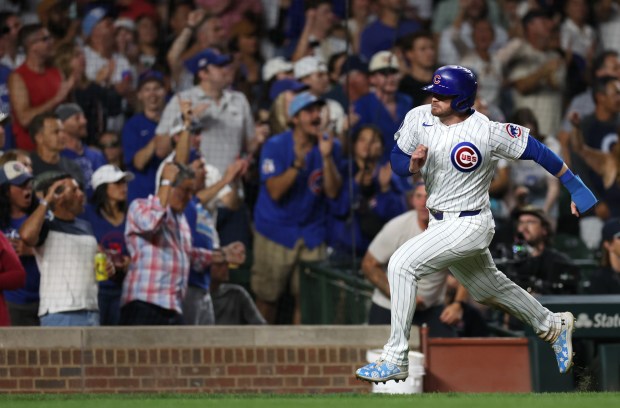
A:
(461, 157)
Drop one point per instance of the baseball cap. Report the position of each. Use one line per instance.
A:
(353, 63)
(302, 101)
(15, 173)
(535, 211)
(149, 76)
(309, 65)
(209, 56)
(125, 23)
(285, 85)
(66, 110)
(611, 229)
(92, 19)
(109, 173)
(274, 66)
(383, 60)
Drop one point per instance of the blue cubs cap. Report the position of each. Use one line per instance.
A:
(207, 57)
(302, 101)
(92, 19)
(287, 84)
(149, 76)
(15, 173)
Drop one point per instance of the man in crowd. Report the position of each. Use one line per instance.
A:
(35, 87)
(421, 54)
(544, 270)
(45, 130)
(161, 249)
(73, 133)
(143, 151)
(384, 106)
(298, 174)
(65, 249)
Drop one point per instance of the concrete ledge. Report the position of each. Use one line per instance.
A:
(199, 336)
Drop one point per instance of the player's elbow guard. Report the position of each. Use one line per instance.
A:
(400, 162)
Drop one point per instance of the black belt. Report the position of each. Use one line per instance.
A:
(438, 215)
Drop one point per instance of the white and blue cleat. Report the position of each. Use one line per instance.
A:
(382, 371)
(563, 346)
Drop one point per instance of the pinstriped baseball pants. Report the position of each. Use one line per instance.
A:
(460, 244)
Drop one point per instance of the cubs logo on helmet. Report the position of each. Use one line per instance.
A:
(437, 79)
(466, 157)
(514, 131)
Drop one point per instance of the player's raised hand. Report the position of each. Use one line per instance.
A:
(418, 159)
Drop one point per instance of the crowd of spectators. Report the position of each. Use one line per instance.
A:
(173, 136)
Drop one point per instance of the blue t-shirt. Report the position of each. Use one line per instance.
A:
(30, 292)
(4, 104)
(89, 161)
(372, 112)
(301, 213)
(201, 224)
(379, 37)
(137, 133)
(372, 209)
(109, 237)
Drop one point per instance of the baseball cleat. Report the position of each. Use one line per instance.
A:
(382, 371)
(563, 346)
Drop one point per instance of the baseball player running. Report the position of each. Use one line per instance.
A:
(456, 150)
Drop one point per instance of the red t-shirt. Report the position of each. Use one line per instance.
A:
(41, 88)
(12, 276)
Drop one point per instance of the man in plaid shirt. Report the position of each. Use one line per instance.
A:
(160, 244)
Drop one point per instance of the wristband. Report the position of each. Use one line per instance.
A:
(567, 177)
(165, 183)
(579, 192)
(43, 202)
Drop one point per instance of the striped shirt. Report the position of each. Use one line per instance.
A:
(159, 242)
(461, 157)
(227, 125)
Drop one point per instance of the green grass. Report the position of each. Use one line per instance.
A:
(563, 400)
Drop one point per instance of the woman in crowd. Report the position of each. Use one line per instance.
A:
(107, 212)
(372, 200)
(16, 204)
(98, 102)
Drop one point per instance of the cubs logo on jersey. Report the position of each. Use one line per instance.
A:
(514, 131)
(315, 181)
(268, 167)
(466, 157)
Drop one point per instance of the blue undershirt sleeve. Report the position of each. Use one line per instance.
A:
(542, 155)
(400, 162)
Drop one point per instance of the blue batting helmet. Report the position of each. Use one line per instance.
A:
(454, 80)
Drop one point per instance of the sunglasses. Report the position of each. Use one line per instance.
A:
(45, 38)
(110, 145)
(387, 71)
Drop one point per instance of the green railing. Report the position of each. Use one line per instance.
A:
(332, 294)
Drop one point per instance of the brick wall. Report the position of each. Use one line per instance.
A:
(280, 359)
